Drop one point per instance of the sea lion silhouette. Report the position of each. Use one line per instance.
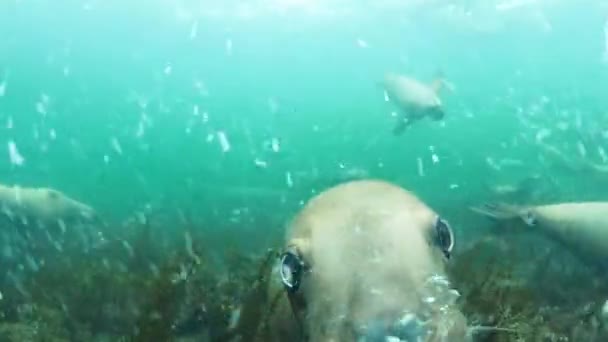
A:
(582, 227)
(415, 100)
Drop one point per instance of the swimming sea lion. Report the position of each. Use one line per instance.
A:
(580, 226)
(364, 261)
(44, 206)
(415, 99)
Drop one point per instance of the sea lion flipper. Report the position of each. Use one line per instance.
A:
(498, 211)
(401, 126)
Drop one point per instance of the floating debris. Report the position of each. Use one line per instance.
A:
(542, 134)
(273, 105)
(15, 157)
(223, 139)
(260, 163)
(288, 179)
(229, 47)
(420, 167)
(116, 145)
(362, 43)
(275, 145)
(194, 30)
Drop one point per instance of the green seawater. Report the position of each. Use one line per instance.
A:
(122, 104)
(161, 78)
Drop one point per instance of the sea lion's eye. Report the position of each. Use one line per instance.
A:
(443, 236)
(291, 270)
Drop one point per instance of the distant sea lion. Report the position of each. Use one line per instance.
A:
(43, 206)
(363, 261)
(580, 226)
(416, 100)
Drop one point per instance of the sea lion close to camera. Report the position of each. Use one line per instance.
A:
(363, 261)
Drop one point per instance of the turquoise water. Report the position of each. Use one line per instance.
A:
(119, 104)
(160, 79)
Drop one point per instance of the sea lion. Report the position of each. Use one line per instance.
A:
(362, 261)
(415, 100)
(580, 226)
(44, 206)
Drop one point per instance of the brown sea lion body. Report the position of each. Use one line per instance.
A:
(580, 226)
(43, 206)
(368, 248)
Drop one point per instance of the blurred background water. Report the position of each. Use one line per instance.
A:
(232, 113)
(109, 100)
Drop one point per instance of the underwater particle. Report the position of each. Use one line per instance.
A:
(15, 157)
(605, 310)
(1, 297)
(229, 47)
(275, 144)
(194, 30)
(168, 69)
(581, 149)
(106, 158)
(190, 248)
(210, 137)
(435, 158)
(562, 126)
(66, 71)
(2, 88)
(116, 145)
(140, 129)
(386, 98)
(273, 105)
(362, 43)
(205, 117)
(491, 163)
(260, 163)
(234, 318)
(454, 186)
(602, 154)
(223, 139)
(41, 108)
(420, 167)
(195, 110)
(62, 226)
(202, 89)
(288, 179)
(128, 248)
(9, 123)
(52, 134)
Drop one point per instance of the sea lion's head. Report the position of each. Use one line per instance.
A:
(364, 261)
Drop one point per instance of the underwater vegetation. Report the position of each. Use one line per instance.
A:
(140, 285)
